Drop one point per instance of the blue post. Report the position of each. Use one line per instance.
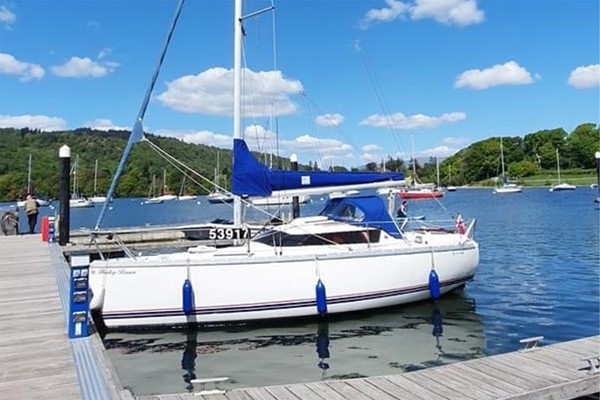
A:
(79, 295)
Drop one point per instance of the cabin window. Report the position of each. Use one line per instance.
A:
(350, 237)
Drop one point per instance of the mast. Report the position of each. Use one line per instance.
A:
(502, 157)
(414, 164)
(437, 170)
(29, 176)
(237, 94)
(95, 177)
(558, 165)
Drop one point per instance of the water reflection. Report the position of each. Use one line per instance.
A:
(367, 344)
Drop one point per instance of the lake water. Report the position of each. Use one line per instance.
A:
(539, 274)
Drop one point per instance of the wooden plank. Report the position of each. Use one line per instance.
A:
(494, 379)
(518, 372)
(414, 387)
(554, 374)
(491, 369)
(347, 391)
(443, 392)
(322, 389)
(281, 393)
(304, 392)
(259, 394)
(455, 381)
(393, 390)
(373, 392)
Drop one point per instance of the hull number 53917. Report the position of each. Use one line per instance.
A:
(228, 233)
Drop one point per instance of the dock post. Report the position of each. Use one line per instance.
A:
(79, 296)
(295, 200)
(63, 195)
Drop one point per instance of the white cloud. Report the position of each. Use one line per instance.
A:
(455, 141)
(393, 11)
(310, 144)
(7, 17)
(329, 119)
(78, 67)
(370, 148)
(266, 93)
(26, 71)
(585, 77)
(449, 12)
(200, 137)
(509, 73)
(439, 151)
(41, 122)
(105, 125)
(417, 121)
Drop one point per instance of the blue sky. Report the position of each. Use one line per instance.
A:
(349, 82)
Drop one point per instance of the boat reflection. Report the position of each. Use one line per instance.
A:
(368, 344)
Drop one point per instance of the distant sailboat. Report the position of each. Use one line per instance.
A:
(96, 198)
(507, 187)
(182, 192)
(152, 198)
(78, 201)
(218, 195)
(559, 187)
(41, 202)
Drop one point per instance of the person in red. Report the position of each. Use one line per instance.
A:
(460, 224)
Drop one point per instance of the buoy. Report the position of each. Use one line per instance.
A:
(321, 299)
(434, 285)
(188, 297)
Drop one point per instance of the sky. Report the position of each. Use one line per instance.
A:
(333, 81)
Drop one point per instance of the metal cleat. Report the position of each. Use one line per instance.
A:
(204, 391)
(530, 343)
(594, 362)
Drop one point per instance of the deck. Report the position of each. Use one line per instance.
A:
(39, 361)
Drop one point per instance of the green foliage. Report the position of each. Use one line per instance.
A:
(531, 156)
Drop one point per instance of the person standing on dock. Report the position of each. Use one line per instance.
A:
(32, 211)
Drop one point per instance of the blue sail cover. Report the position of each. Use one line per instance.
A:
(252, 178)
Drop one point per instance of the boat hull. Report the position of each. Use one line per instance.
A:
(262, 285)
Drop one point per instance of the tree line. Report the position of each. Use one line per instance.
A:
(524, 156)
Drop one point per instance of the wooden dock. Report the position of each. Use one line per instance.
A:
(39, 361)
(557, 371)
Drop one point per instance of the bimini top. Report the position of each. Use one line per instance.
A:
(368, 211)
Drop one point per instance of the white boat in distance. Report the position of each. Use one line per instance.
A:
(507, 186)
(560, 186)
(352, 256)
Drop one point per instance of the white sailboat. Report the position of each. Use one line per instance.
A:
(152, 198)
(507, 187)
(167, 195)
(218, 195)
(347, 258)
(76, 200)
(95, 198)
(41, 202)
(559, 187)
(182, 192)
